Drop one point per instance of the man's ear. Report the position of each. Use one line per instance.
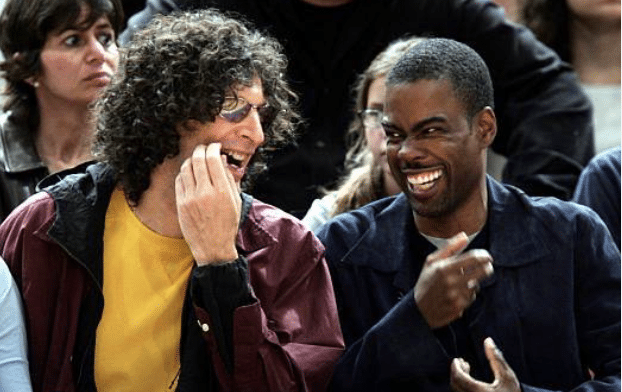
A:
(187, 126)
(486, 123)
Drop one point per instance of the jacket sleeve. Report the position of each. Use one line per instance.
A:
(597, 282)
(599, 189)
(398, 352)
(280, 338)
(14, 374)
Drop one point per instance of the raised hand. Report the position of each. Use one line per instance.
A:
(505, 378)
(449, 281)
(208, 205)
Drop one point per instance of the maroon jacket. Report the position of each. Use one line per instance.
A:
(278, 333)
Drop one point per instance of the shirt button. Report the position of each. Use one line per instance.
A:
(204, 327)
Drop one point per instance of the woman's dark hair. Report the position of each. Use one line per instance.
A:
(548, 19)
(179, 68)
(24, 27)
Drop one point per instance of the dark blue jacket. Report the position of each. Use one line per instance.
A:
(599, 188)
(552, 305)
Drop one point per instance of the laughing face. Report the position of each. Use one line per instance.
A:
(239, 140)
(436, 153)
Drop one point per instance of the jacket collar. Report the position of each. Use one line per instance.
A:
(515, 237)
(509, 220)
(17, 150)
(252, 236)
(82, 201)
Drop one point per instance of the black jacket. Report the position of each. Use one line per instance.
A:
(20, 166)
(545, 120)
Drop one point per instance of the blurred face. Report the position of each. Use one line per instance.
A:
(595, 12)
(77, 64)
(374, 135)
(434, 151)
(240, 135)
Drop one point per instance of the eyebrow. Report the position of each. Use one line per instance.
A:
(421, 124)
(99, 24)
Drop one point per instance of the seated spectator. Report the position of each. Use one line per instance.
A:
(59, 55)
(587, 35)
(599, 188)
(150, 271)
(368, 176)
(421, 307)
(329, 42)
(14, 376)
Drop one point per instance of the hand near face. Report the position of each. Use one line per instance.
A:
(208, 206)
(505, 379)
(449, 281)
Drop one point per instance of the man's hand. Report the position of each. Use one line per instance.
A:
(449, 281)
(208, 206)
(505, 379)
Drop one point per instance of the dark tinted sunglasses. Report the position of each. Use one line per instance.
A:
(236, 109)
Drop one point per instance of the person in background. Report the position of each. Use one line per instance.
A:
(58, 56)
(434, 284)
(14, 375)
(511, 8)
(587, 35)
(546, 118)
(130, 7)
(150, 270)
(367, 173)
(599, 188)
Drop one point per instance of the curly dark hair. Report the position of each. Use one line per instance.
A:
(24, 27)
(548, 19)
(179, 68)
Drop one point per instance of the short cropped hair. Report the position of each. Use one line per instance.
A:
(446, 59)
(24, 28)
(181, 67)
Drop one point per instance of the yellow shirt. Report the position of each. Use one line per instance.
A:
(145, 279)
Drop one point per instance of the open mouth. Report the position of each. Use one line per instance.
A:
(421, 182)
(235, 158)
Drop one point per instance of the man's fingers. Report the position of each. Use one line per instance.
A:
(461, 380)
(217, 169)
(199, 165)
(497, 362)
(186, 175)
(475, 265)
(455, 245)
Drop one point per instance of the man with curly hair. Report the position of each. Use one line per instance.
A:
(149, 270)
(546, 120)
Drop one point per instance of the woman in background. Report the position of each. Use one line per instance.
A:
(58, 56)
(586, 34)
(368, 177)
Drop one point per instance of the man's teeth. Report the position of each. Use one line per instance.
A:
(234, 157)
(424, 178)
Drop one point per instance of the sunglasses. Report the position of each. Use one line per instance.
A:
(236, 109)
